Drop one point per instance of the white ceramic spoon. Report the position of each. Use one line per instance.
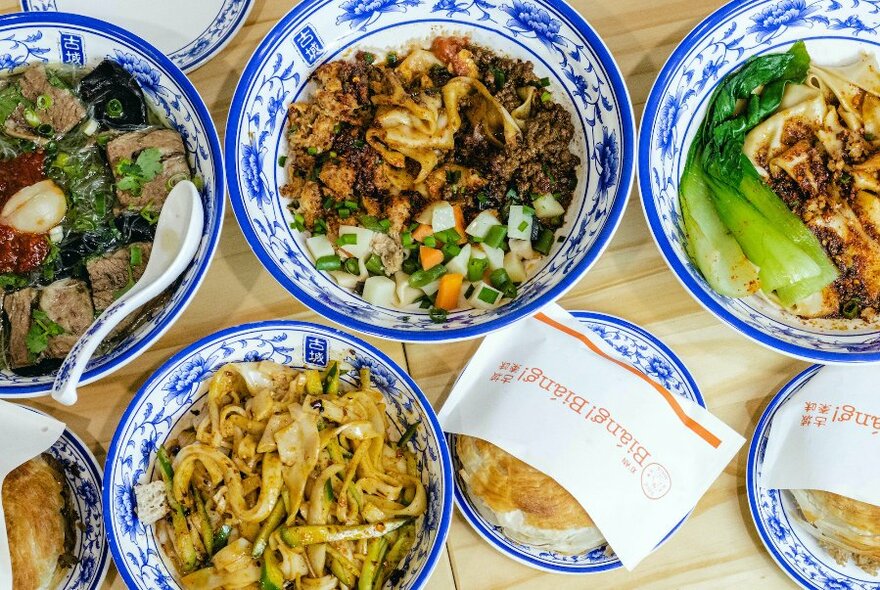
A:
(178, 234)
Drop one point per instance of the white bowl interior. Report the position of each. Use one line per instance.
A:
(66, 38)
(675, 110)
(278, 75)
(177, 387)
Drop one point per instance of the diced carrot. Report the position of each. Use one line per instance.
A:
(449, 291)
(430, 257)
(459, 224)
(422, 232)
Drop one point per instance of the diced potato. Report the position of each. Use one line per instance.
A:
(405, 294)
(479, 227)
(320, 246)
(546, 207)
(443, 217)
(522, 248)
(514, 267)
(495, 256)
(519, 223)
(459, 262)
(379, 290)
(361, 248)
(484, 296)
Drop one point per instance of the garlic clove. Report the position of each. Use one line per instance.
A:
(35, 209)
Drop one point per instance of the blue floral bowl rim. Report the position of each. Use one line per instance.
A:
(199, 60)
(96, 473)
(290, 325)
(652, 216)
(615, 212)
(216, 155)
(463, 503)
(751, 467)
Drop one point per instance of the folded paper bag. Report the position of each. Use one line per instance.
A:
(24, 434)
(636, 456)
(826, 436)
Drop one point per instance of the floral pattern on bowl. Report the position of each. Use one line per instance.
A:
(583, 75)
(835, 32)
(795, 551)
(175, 388)
(75, 40)
(643, 351)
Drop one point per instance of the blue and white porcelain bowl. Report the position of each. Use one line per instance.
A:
(174, 390)
(549, 33)
(793, 548)
(65, 38)
(835, 33)
(83, 474)
(642, 350)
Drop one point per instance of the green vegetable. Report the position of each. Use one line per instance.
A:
(268, 527)
(352, 266)
(282, 160)
(733, 221)
(437, 315)
(205, 531)
(710, 244)
(271, 576)
(421, 278)
(544, 82)
(183, 542)
(375, 554)
(546, 96)
(501, 281)
(408, 434)
(373, 264)
(488, 295)
(544, 242)
(221, 537)
(136, 255)
(332, 262)
(134, 175)
(114, 108)
(42, 328)
(330, 378)
(498, 76)
(10, 98)
(347, 240)
(312, 151)
(338, 569)
(391, 58)
(372, 223)
(44, 102)
(495, 236)
(851, 308)
(476, 268)
(430, 241)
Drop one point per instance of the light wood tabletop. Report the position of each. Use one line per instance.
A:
(717, 547)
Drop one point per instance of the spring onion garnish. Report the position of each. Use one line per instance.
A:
(114, 108)
(44, 102)
(31, 117)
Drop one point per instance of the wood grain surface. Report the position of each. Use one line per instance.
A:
(718, 547)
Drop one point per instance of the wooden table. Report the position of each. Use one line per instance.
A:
(718, 547)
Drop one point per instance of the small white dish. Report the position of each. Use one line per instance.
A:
(632, 345)
(198, 31)
(792, 547)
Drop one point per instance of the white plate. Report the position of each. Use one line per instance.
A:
(794, 549)
(83, 474)
(190, 32)
(639, 348)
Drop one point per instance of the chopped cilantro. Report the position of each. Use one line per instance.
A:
(42, 328)
(134, 175)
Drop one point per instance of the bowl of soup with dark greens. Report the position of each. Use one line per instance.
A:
(91, 144)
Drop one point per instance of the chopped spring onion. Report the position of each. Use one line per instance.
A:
(329, 263)
(347, 240)
(172, 182)
(312, 151)
(372, 223)
(544, 82)
(282, 160)
(45, 130)
(114, 108)
(352, 265)
(437, 315)
(546, 96)
(851, 308)
(475, 269)
(31, 117)
(44, 102)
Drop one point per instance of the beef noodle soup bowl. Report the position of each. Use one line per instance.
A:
(429, 171)
(96, 127)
